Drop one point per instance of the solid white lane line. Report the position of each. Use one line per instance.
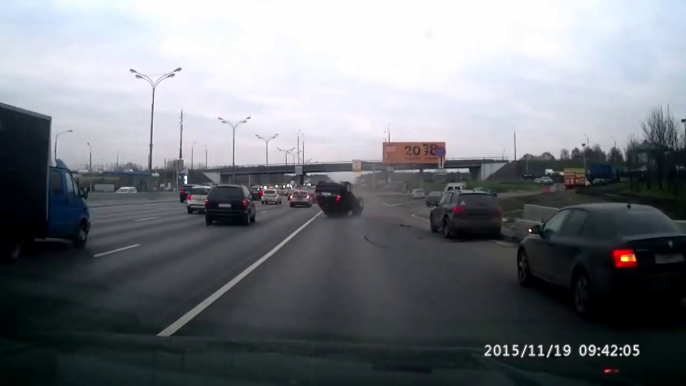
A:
(145, 219)
(116, 250)
(174, 327)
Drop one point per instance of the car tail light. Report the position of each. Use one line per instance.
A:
(308, 197)
(459, 209)
(624, 258)
(245, 204)
(189, 197)
(338, 198)
(182, 192)
(498, 212)
(207, 201)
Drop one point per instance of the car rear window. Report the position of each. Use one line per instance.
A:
(300, 194)
(437, 194)
(641, 222)
(478, 200)
(200, 191)
(270, 191)
(226, 193)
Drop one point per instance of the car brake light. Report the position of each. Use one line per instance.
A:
(624, 258)
(182, 191)
(308, 197)
(458, 209)
(245, 203)
(338, 198)
(498, 212)
(189, 197)
(207, 201)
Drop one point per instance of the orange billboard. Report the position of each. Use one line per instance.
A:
(412, 152)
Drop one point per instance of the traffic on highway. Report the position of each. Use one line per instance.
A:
(204, 231)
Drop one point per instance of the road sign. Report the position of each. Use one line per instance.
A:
(298, 170)
(411, 152)
(357, 165)
(440, 152)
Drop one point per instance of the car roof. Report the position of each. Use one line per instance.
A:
(475, 192)
(228, 186)
(612, 207)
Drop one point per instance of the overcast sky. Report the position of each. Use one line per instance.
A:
(467, 73)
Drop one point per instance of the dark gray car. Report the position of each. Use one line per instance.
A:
(466, 212)
(433, 198)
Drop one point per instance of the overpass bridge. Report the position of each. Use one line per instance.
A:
(479, 168)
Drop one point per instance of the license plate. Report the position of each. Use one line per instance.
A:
(325, 193)
(670, 258)
(224, 205)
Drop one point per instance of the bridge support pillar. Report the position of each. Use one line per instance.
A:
(475, 174)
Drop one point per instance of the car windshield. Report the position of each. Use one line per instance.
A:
(200, 191)
(478, 200)
(225, 193)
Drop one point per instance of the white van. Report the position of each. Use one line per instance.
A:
(459, 186)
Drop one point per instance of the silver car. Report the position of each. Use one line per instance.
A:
(195, 201)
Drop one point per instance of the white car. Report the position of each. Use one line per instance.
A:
(271, 196)
(127, 189)
(195, 201)
(417, 194)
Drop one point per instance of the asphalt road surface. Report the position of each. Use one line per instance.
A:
(383, 278)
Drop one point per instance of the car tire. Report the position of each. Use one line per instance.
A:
(254, 217)
(445, 228)
(247, 219)
(189, 210)
(434, 228)
(82, 237)
(10, 251)
(208, 220)
(582, 296)
(523, 271)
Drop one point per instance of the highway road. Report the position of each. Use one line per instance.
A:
(153, 270)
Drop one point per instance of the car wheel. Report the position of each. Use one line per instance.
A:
(523, 270)
(447, 232)
(10, 250)
(208, 220)
(254, 217)
(246, 219)
(189, 210)
(434, 228)
(582, 298)
(82, 237)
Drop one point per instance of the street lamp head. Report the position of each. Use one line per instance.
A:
(220, 118)
(138, 76)
(247, 118)
(178, 69)
(133, 71)
(171, 75)
(70, 131)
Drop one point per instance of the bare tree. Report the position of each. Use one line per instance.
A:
(564, 154)
(660, 132)
(576, 153)
(615, 156)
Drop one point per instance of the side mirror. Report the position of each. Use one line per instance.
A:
(535, 230)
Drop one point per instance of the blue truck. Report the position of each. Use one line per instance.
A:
(46, 201)
(600, 171)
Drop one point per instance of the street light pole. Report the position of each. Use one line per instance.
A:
(192, 149)
(118, 159)
(90, 158)
(153, 84)
(285, 152)
(233, 125)
(206, 167)
(57, 136)
(266, 142)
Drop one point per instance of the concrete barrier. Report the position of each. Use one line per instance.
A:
(538, 213)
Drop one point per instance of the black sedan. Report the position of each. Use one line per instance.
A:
(605, 253)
